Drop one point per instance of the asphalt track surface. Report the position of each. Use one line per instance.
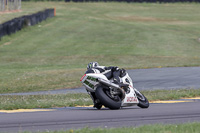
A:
(79, 117)
(74, 118)
(148, 79)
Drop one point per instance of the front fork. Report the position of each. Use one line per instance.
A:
(139, 95)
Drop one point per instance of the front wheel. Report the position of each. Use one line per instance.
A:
(107, 99)
(143, 101)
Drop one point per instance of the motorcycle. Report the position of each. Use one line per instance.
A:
(111, 95)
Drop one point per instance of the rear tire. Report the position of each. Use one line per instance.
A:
(105, 98)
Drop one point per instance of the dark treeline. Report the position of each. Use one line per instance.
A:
(136, 1)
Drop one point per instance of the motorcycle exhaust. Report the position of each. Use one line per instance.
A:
(110, 84)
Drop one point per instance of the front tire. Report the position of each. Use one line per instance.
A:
(143, 101)
(106, 99)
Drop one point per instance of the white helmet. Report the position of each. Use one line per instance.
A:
(92, 65)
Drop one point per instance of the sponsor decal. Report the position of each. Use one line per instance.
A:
(91, 78)
(88, 80)
(131, 99)
(89, 84)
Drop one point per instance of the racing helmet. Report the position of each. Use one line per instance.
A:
(92, 65)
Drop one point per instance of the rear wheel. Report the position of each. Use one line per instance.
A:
(108, 100)
(143, 101)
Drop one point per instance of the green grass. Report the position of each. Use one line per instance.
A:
(43, 101)
(156, 128)
(54, 54)
(9, 102)
(154, 95)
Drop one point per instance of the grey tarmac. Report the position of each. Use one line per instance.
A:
(148, 79)
(79, 117)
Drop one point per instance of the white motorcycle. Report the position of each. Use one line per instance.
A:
(111, 95)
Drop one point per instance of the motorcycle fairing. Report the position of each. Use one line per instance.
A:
(90, 81)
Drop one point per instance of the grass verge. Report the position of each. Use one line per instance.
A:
(156, 128)
(43, 101)
(65, 100)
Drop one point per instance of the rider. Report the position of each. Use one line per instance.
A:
(109, 72)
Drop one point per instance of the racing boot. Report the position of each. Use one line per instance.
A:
(96, 101)
(97, 104)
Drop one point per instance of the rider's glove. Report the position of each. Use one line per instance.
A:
(115, 68)
(122, 72)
